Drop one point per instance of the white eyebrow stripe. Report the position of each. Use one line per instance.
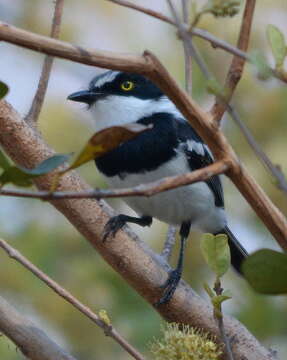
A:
(196, 146)
(109, 77)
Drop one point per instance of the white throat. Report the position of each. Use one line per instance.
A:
(118, 110)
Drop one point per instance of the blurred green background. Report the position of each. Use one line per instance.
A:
(45, 236)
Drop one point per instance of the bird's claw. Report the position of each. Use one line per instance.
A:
(169, 287)
(112, 227)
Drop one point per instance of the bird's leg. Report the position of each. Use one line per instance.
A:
(117, 222)
(175, 275)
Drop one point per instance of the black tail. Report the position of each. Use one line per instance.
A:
(238, 253)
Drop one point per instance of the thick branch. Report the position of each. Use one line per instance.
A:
(109, 330)
(237, 64)
(38, 100)
(129, 257)
(49, 46)
(31, 340)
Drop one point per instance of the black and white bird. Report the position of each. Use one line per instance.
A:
(170, 147)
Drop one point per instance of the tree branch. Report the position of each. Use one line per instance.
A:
(143, 10)
(38, 100)
(274, 170)
(109, 330)
(54, 47)
(204, 34)
(237, 65)
(187, 58)
(32, 341)
(149, 189)
(129, 256)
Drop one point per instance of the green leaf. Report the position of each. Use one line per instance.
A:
(3, 89)
(218, 300)
(15, 176)
(23, 177)
(216, 252)
(277, 43)
(261, 64)
(266, 271)
(47, 165)
(4, 162)
(215, 88)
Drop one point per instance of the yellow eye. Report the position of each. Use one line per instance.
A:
(127, 85)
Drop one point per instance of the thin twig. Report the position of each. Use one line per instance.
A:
(144, 10)
(275, 170)
(224, 338)
(108, 328)
(149, 189)
(169, 243)
(218, 316)
(187, 58)
(237, 65)
(187, 41)
(204, 34)
(38, 100)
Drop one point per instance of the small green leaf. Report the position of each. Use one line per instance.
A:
(15, 176)
(23, 177)
(215, 88)
(103, 315)
(277, 43)
(216, 252)
(266, 271)
(218, 300)
(3, 89)
(264, 71)
(4, 162)
(47, 165)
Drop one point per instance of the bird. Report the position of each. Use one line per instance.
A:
(171, 147)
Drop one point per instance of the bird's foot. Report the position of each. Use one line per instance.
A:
(169, 287)
(114, 224)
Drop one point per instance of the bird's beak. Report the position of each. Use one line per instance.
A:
(85, 96)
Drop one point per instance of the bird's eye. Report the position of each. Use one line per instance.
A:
(127, 85)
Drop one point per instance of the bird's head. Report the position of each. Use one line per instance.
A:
(117, 98)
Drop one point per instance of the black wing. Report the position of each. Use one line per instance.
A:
(199, 156)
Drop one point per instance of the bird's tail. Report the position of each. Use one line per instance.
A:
(237, 251)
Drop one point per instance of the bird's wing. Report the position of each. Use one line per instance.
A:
(199, 156)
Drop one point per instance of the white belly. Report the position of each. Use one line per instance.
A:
(193, 203)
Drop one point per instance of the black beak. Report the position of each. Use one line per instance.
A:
(85, 96)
